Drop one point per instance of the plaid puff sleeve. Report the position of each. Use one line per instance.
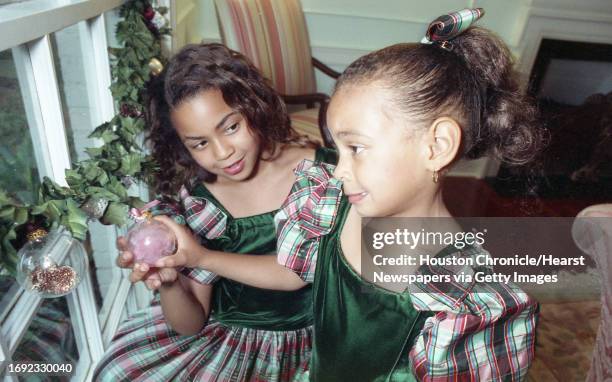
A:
(308, 213)
(166, 207)
(481, 331)
(206, 220)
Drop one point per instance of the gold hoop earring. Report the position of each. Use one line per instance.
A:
(435, 176)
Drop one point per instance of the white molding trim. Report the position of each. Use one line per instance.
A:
(578, 29)
(411, 20)
(211, 39)
(571, 14)
(337, 56)
(77, 323)
(84, 296)
(116, 312)
(25, 21)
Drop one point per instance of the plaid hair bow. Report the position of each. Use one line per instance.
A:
(447, 27)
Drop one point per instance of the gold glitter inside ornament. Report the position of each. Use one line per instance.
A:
(51, 265)
(36, 234)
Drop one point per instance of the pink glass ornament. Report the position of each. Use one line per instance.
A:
(150, 240)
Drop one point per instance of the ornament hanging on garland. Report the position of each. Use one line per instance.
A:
(156, 66)
(127, 181)
(154, 19)
(148, 13)
(131, 111)
(95, 207)
(40, 269)
(149, 239)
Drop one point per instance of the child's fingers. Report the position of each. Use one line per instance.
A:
(121, 243)
(174, 226)
(124, 260)
(152, 284)
(173, 261)
(138, 272)
(167, 275)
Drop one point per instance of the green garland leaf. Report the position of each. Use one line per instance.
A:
(77, 220)
(116, 213)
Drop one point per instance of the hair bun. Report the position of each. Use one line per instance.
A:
(508, 118)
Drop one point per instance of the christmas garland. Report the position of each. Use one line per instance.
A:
(98, 186)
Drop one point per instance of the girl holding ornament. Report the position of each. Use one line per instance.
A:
(400, 116)
(224, 144)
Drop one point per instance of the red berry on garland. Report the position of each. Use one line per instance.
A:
(129, 111)
(149, 13)
(124, 110)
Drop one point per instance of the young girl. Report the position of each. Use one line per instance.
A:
(400, 117)
(218, 133)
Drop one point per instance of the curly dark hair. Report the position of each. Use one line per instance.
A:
(474, 83)
(201, 67)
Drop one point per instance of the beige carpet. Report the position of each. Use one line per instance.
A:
(565, 339)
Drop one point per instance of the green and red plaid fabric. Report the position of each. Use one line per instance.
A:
(206, 220)
(307, 214)
(449, 26)
(146, 349)
(480, 331)
(203, 217)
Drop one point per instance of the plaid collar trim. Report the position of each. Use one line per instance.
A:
(203, 216)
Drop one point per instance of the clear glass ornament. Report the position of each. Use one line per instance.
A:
(150, 240)
(51, 265)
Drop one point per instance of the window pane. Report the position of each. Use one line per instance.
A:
(18, 171)
(111, 18)
(9, 292)
(49, 339)
(69, 63)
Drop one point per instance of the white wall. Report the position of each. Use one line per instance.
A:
(342, 30)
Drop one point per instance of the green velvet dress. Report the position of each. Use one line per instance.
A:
(362, 331)
(252, 335)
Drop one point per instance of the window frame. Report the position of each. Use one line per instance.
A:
(27, 27)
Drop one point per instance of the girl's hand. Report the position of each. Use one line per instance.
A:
(153, 278)
(189, 251)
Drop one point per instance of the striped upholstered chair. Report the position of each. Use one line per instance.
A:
(273, 34)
